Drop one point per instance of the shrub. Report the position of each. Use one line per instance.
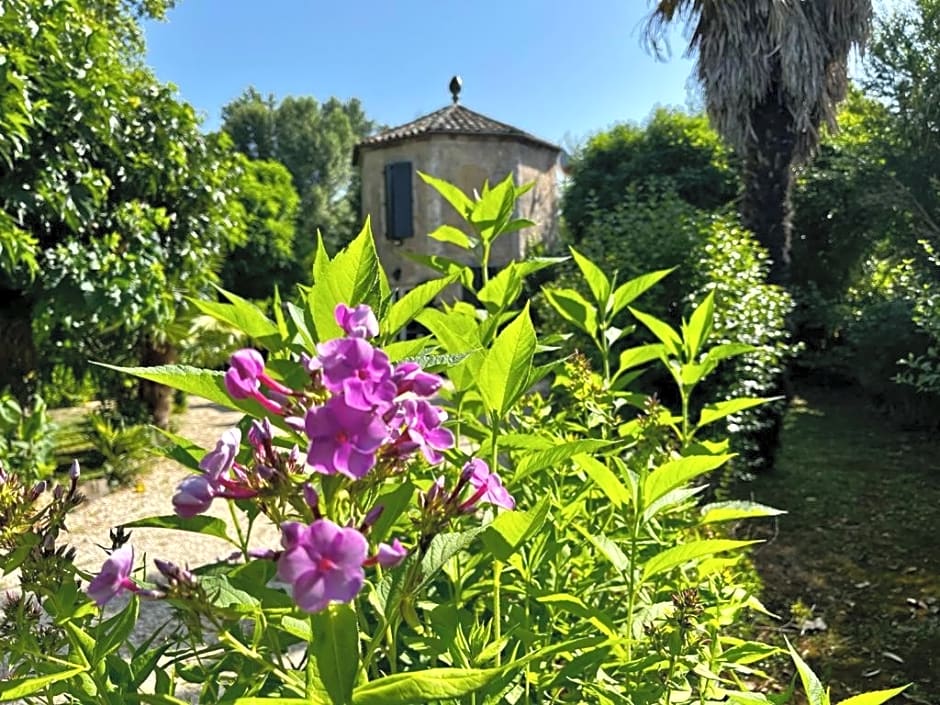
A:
(27, 439)
(654, 230)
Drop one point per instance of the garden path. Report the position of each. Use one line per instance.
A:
(854, 567)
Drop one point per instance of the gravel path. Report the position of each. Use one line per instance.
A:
(202, 423)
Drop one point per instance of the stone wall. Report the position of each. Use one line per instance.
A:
(466, 161)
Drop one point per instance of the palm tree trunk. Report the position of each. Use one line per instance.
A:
(766, 209)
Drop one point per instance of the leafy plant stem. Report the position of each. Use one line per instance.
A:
(242, 541)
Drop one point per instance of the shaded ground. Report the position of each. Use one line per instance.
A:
(859, 549)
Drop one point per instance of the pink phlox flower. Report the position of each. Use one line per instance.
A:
(358, 371)
(245, 368)
(194, 495)
(245, 376)
(409, 377)
(487, 487)
(113, 577)
(343, 439)
(390, 555)
(419, 423)
(322, 563)
(358, 322)
(219, 461)
(260, 436)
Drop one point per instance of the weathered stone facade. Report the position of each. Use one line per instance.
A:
(465, 156)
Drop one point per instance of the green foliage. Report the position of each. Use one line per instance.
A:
(710, 255)
(129, 205)
(27, 439)
(265, 259)
(608, 582)
(120, 448)
(315, 143)
(673, 150)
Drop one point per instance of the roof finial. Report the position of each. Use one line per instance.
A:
(455, 85)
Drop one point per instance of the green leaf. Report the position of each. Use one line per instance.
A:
(570, 603)
(209, 526)
(700, 325)
(685, 553)
(183, 451)
(554, 456)
(117, 629)
(453, 195)
(627, 292)
(394, 502)
(678, 472)
(735, 510)
(604, 478)
(207, 384)
(17, 688)
(453, 236)
(874, 697)
(353, 277)
(816, 694)
(507, 532)
(456, 332)
(502, 290)
(411, 304)
(726, 350)
(336, 648)
(640, 356)
(714, 412)
(610, 550)
(239, 313)
(505, 368)
(443, 547)
(595, 278)
(662, 330)
(424, 686)
(574, 308)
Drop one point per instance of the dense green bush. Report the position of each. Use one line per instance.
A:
(672, 149)
(27, 439)
(652, 230)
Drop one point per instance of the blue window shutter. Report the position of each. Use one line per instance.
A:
(399, 215)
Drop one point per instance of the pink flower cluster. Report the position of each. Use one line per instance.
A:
(358, 412)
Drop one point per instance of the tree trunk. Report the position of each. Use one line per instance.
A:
(766, 209)
(158, 397)
(18, 358)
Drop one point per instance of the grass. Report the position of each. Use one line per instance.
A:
(859, 548)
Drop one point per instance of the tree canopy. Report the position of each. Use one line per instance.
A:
(314, 142)
(113, 205)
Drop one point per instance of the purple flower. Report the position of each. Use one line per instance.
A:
(322, 563)
(421, 429)
(358, 322)
(193, 496)
(242, 378)
(487, 487)
(390, 555)
(220, 460)
(358, 371)
(409, 377)
(343, 439)
(114, 576)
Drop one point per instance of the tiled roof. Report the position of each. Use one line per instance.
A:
(453, 120)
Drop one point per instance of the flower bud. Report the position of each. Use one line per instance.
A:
(75, 471)
(390, 555)
(193, 496)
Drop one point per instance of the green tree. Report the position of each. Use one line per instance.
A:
(676, 150)
(315, 142)
(109, 184)
(773, 73)
(266, 258)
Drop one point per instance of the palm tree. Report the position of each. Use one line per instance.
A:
(773, 72)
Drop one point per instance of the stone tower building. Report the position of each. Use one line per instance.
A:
(464, 148)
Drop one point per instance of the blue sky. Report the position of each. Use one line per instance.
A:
(559, 69)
